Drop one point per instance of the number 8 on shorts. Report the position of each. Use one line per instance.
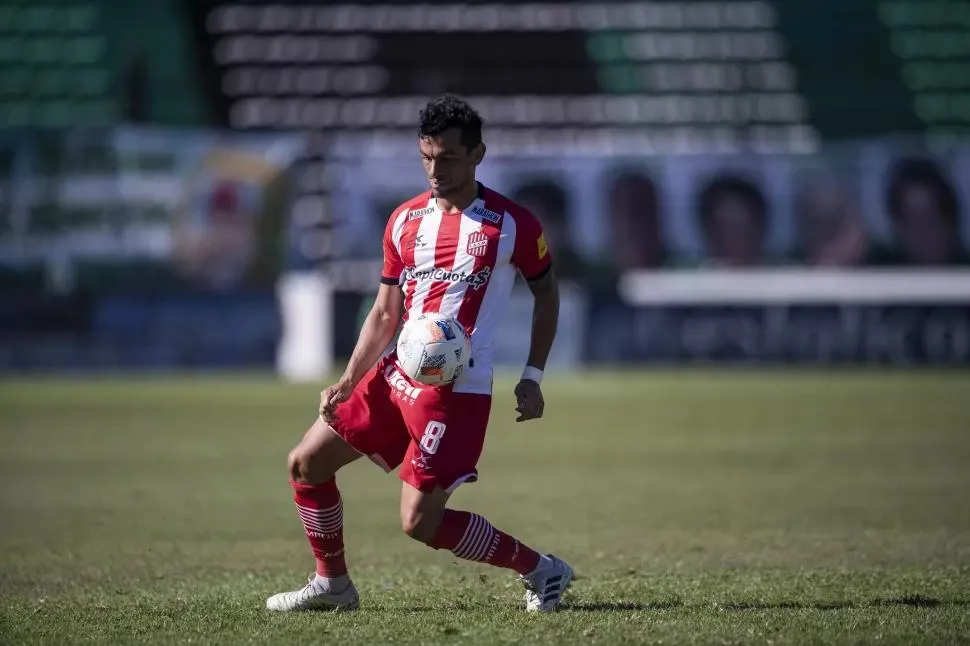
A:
(433, 433)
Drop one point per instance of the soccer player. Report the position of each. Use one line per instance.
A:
(455, 250)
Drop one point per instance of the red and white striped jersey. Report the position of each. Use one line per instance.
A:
(464, 265)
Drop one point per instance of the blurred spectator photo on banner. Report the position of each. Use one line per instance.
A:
(925, 214)
(634, 212)
(829, 227)
(733, 218)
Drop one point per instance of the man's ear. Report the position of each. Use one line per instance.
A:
(478, 154)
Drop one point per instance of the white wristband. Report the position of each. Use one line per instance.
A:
(532, 374)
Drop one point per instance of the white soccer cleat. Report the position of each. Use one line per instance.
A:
(311, 597)
(545, 586)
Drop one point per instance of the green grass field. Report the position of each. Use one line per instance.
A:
(697, 507)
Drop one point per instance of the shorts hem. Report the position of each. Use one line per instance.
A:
(379, 461)
(468, 477)
(333, 429)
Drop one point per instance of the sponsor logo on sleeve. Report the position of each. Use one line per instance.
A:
(542, 247)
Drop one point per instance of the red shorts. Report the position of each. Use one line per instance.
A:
(435, 434)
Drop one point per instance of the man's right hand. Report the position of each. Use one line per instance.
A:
(335, 394)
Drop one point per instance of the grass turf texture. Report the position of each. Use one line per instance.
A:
(734, 507)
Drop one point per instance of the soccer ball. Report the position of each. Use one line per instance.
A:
(433, 349)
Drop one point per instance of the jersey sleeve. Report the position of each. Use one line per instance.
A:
(393, 264)
(531, 254)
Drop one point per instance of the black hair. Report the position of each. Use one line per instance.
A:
(448, 112)
(546, 192)
(913, 170)
(737, 186)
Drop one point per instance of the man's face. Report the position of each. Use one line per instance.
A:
(448, 164)
(922, 230)
(735, 236)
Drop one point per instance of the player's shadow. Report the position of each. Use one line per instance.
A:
(917, 601)
(785, 605)
(914, 601)
(619, 606)
(577, 606)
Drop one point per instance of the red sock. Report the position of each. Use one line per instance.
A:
(322, 514)
(471, 537)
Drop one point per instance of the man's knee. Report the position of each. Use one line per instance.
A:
(421, 525)
(319, 455)
(421, 514)
(304, 468)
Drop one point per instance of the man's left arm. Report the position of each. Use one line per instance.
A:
(545, 318)
(534, 261)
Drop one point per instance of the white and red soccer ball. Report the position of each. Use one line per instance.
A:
(433, 349)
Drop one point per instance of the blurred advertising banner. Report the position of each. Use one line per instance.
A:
(101, 210)
(878, 317)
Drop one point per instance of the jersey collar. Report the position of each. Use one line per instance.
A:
(478, 201)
